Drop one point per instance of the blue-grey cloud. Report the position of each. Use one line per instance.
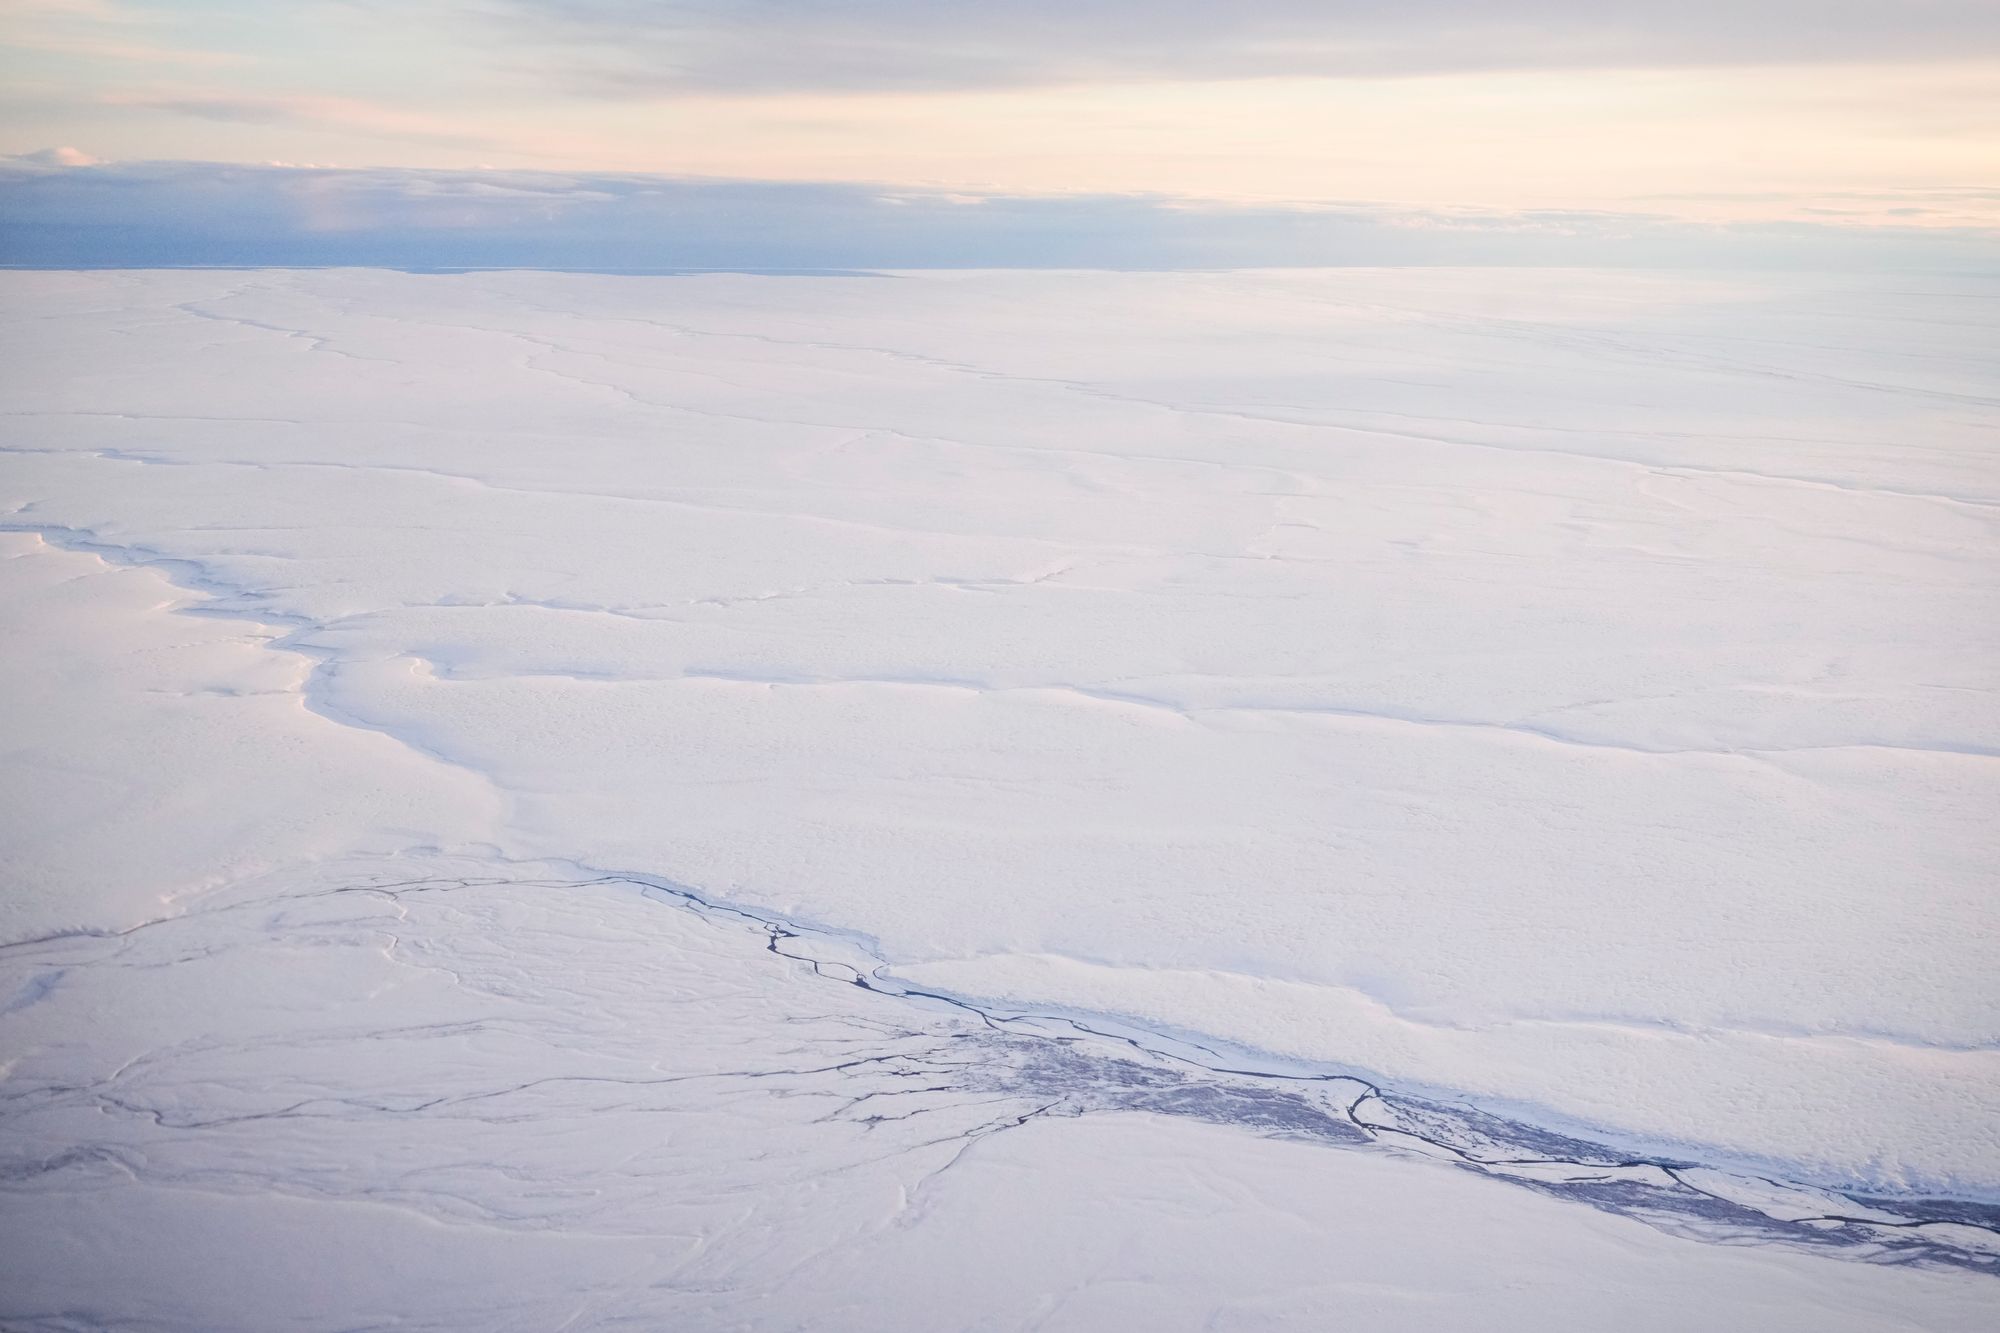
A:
(177, 213)
(746, 46)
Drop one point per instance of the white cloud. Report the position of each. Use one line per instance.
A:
(60, 157)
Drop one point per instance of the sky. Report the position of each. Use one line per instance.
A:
(1280, 130)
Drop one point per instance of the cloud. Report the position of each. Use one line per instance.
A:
(341, 114)
(97, 30)
(58, 157)
(178, 213)
(138, 53)
(232, 110)
(644, 47)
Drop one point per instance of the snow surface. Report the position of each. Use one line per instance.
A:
(335, 1100)
(1570, 691)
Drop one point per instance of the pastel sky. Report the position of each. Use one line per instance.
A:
(1719, 112)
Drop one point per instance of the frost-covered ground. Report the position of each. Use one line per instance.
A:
(1418, 796)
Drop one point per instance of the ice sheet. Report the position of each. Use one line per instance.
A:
(1567, 689)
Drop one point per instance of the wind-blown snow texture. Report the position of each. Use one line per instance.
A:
(1558, 696)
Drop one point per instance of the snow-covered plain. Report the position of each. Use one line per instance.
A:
(1565, 696)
